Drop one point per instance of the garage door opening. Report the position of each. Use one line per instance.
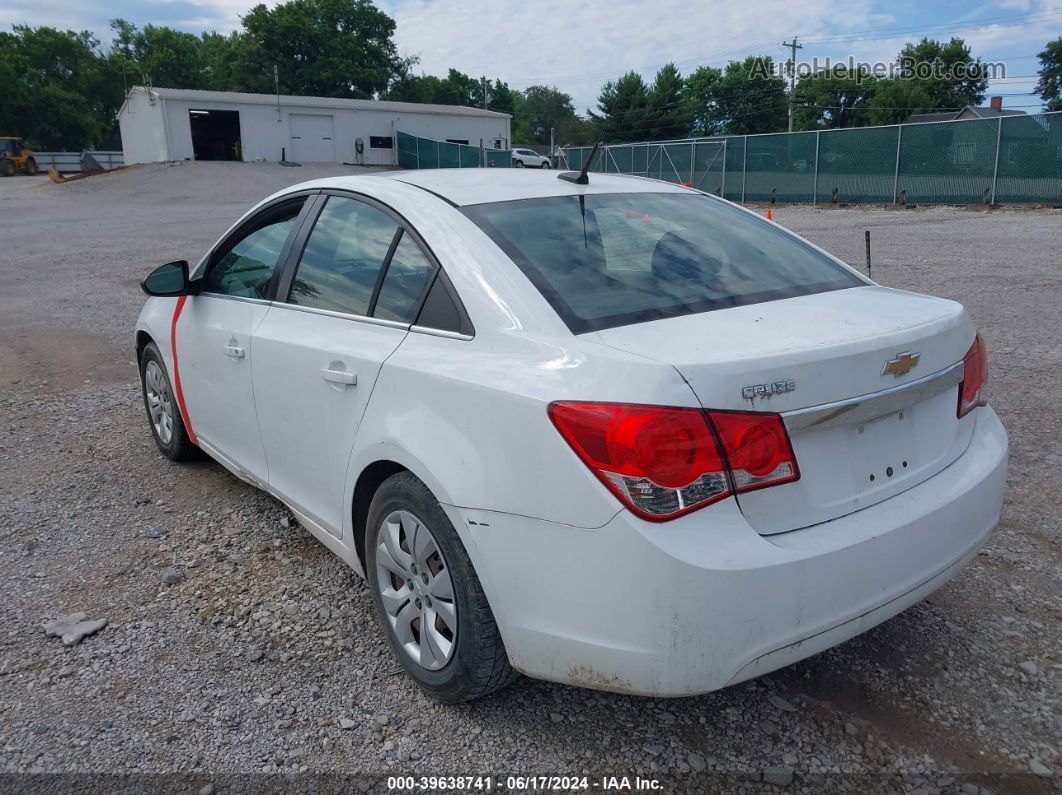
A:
(216, 134)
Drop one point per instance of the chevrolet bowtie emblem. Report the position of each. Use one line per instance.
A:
(902, 364)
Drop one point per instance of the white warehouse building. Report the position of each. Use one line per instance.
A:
(160, 124)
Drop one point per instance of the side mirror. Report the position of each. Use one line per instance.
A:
(168, 280)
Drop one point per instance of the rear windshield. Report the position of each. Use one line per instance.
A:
(607, 260)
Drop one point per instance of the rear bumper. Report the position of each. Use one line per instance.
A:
(702, 602)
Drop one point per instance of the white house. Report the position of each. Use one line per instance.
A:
(175, 124)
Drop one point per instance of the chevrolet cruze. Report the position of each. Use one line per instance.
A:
(611, 432)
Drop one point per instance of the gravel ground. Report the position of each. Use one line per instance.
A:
(237, 646)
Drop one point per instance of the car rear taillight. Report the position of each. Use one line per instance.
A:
(974, 378)
(664, 462)
(757, 449)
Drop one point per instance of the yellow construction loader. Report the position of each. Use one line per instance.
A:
(15, 158)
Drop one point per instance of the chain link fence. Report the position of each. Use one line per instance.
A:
(415, 152)
(1005, 159)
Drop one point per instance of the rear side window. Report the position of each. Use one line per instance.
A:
(608, 260)
(404, 284)
(343, 257)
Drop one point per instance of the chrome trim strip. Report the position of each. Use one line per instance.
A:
(438, 332)
(375, 321)
(870, 407)
(242, 298)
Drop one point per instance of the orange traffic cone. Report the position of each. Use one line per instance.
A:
(769, 216)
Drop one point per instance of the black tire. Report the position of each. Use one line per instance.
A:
(31, 166)
(7, 167)
(479, 665)
(179, 447)
(545, 164)
(518, 164)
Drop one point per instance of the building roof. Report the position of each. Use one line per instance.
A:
(193, 95)
(970, 111)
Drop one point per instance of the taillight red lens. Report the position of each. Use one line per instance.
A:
(974, 378)
(663, 462)
(757, 447)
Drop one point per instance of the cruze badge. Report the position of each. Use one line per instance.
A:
(902, 364)
(766, 390)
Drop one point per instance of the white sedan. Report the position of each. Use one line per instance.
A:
(622, 435)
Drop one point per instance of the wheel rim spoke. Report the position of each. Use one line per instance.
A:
(441, 587)
(403, 626)
(397, 559)
(433, 643)
(395, 599)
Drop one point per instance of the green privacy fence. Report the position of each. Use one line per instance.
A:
(414, 152)
(997, 160)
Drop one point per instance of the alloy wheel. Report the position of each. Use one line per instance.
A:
(160, 404)
(416, 589)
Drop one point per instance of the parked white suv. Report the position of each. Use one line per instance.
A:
(667, 447)
(528, 158)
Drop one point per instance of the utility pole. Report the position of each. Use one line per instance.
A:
(484, 81)
(793, 47)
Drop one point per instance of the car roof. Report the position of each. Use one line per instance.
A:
(468, 186)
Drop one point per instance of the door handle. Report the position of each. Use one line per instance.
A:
(235, 351)
(339, 376)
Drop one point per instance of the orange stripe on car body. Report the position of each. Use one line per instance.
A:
(177, 370)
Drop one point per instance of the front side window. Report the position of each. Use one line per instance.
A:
(343, 257)
(245, 267)
(607, 260)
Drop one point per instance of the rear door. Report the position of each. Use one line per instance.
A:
(213, 335)
(344, 307)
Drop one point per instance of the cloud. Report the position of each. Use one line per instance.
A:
(578, 46)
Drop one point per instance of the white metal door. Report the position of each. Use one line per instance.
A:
(312, 138)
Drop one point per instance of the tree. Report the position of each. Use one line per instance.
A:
(896, 100)
(59, 90)
(577, 131)
(623, 107)
(700, 96)
(325, 48)
(833, 98)
(751, 98)
(946, 71)
(1049, 86)
(170, 58)
(667, 117)
(542, 108)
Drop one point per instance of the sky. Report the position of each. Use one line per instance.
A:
(577, 46)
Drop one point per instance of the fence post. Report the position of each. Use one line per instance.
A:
(995, 167)
(722, 187)
(744, 161)
(693, 160)
(896, 171)
(815, 184)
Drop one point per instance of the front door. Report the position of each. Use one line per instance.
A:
(213, 338)
(355, 291)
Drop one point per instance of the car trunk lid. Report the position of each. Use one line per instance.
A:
(862, 430)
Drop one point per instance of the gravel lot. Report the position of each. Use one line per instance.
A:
(263, 655)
